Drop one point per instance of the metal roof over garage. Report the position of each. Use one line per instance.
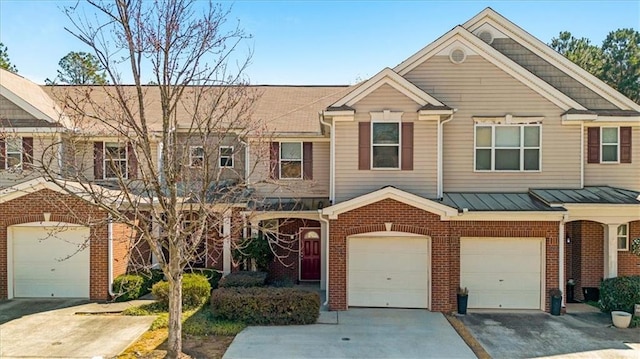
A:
(588, 195)
(495, 202)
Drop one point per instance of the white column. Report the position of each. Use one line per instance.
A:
(611, 250)
(155, 232)
(561, 259)
(323, 254)
(226, 244)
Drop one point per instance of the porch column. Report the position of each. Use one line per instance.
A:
(226, 244)
(324, 236)
(611, 250)
(155, 232)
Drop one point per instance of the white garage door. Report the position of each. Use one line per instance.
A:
(50, 261)
(388, 272)
(502, 272)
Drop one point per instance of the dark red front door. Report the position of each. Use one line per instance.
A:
(310, 254)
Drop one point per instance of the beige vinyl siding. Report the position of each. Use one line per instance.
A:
(212, 147)
(352, 182)
(623, 175)
(479, 88)
(259, 174)
(45, 153)
(11, 111)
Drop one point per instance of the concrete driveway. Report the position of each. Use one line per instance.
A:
(46, 328)
(360, 333)
(535, 335)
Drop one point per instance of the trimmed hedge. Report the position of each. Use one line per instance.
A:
(212, 275)
(620, 293)
(266, 306)
(243, 279)
(134, 285)
(195, 291)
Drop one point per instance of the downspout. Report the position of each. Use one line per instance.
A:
(440, 185)
(60, 154)
(561, 243)
(582, 149)
(246, 160)
(332, 160)
(110, 255)
(326, 267)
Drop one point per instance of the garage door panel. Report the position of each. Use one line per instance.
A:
(401, 261)
(384, 280)
(379, 298)
(478, 263)
(504, 299)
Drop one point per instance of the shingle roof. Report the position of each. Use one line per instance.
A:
(588, 195)
(495, 202)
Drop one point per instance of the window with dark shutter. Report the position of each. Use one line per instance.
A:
(625, 144)
(307, 156)
(98, 160)
(274, 157)
(3, 154)
(593, 145)
(364, 145)
(407, 146)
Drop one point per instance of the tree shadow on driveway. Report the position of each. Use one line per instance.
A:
(17, 308)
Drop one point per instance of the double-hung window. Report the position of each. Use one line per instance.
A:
(291, 160)
(115, 160)
(226, 156)
(507, 147)
(610, 149)
(385, 145)
(14, 153)
(196, 156)
(623, 237)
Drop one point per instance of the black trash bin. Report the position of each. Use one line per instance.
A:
(570, 293)
(556, 305)
(591, 294)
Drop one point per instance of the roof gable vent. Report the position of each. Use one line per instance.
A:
(486, 36)
(457, 56)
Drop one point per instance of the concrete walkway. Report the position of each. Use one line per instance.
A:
(360, 333)
(53, 329)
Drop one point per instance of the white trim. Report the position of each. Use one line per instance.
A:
(389, 77)
(332, 158)
(391, 120)
(445, 212)
(502, 24)
(192, 157)
(495, 57)
(626, 237)
(521, 148)
(291, 160)
(26, 106)
(513, 216)
(105, 160)
(232, 157)
(602, 144)
(582, 152)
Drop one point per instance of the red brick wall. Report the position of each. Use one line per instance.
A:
(445, 246)
(629, 263)
(123, 239)
(288, 265)
(63, 208)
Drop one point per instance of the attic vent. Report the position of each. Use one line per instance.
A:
(457, 56)
(486, 36)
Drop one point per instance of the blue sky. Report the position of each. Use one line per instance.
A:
(323, 42)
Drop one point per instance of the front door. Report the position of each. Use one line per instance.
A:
(310, 254)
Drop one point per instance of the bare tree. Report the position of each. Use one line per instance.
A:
(152, 155)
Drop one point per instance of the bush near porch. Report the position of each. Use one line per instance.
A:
(134, 285)
(266, 306)
(244, 279)
(620, 293)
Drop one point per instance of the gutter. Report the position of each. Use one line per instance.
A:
(326, 267)
(246, 160)
(332, 160)
(110, 255)
(440, 185)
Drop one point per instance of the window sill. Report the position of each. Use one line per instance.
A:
(507, 171)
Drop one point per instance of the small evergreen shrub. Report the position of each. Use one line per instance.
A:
(212, 275)
(195, 291)
(128, 287)
(620, 293)
(266, 306)
(243, 279)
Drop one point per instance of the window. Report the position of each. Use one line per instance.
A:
(385, 145)
(609, 149)
(13, 156)
(291, 160)
(507, 147)
(115, 160)
(196, 156)
(226, 156)
(623, 237)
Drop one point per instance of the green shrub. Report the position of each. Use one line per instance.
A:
(195, 291)
(243, 279)
(129, 286)
(212, 275)
(620, 293)
(266, 306)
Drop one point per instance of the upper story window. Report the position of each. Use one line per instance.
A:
(16, 153)
(115, 160)
(226, 156)
(609, 145)
(623, 237)
(196, 156)
(291, 160)
(507, 147)
(385, 145)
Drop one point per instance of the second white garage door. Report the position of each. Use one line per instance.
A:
(388, 271)
(502, 272)
(50, 261)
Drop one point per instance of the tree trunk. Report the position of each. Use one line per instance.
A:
(174, 341)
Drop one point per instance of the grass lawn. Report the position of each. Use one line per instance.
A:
(203, 336)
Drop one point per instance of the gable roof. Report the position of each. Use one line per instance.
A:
(69, 187)
(504, 25)
(393, 193)
(391, 78)
(466, 38)
(31, 98)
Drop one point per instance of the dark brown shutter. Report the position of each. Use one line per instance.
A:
(364, 145)
(593, 145)
(27, 152)
(274, 157)
(407, 146)
(132, 162)
(3, 154)
(625, 144)
(307, 165)
(98, 160)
